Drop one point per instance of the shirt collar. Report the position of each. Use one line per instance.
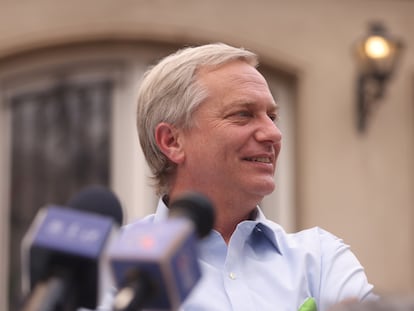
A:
(259, 223)
(265, 226)
(162, 211)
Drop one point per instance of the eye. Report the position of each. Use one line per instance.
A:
(240, 117)
(243, 113)
(273, 116)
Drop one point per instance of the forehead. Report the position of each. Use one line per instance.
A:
(236, 83)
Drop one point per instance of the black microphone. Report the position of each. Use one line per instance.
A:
(62, 251)
(155, 265)
(100, 200)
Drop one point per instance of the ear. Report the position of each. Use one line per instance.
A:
(168, 140)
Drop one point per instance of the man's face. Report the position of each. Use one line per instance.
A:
(234, 143)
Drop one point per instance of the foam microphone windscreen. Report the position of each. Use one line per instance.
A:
(100, 200)
(67, 244)
(197, 208)
(155, 265)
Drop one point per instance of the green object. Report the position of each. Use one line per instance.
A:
(308, 305)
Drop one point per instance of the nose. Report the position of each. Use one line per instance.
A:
(268, 131)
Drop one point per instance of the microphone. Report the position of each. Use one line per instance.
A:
(98, 200)
(155, 265)
(62, 251)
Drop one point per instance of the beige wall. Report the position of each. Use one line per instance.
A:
(360, 187)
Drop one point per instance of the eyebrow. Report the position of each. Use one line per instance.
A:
(242, 103)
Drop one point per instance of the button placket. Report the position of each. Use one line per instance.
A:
(236, 287)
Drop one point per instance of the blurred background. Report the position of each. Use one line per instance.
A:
(69, 72)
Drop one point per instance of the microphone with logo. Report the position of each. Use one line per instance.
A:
(62, 251)
(155, 265)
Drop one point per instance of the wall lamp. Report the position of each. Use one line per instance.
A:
(377, 55)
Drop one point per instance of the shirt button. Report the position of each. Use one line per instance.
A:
(232, 275)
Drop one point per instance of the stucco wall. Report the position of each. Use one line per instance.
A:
(360, 187)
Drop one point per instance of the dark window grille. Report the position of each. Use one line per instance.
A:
(60, 144)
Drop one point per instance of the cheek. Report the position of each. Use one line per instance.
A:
(211, 152)
(218, 142)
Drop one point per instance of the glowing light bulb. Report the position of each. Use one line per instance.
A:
(377, 47)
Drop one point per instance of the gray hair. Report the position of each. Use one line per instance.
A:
(170, 92)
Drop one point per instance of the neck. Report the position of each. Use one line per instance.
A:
(230, 210)
(226, 224)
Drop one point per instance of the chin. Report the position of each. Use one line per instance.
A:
(264, 189)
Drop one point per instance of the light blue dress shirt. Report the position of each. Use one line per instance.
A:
(264, 268)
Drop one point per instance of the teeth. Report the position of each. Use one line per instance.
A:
(262, 160)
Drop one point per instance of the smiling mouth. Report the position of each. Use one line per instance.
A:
(259, 159)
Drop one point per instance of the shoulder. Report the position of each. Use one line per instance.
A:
(315, 241)
(161, 213)
(147, 219)
(315, 235)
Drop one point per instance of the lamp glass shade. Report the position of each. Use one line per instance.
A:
(377, 47)
(377, 53)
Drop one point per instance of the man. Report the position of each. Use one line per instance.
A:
(206, 123)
